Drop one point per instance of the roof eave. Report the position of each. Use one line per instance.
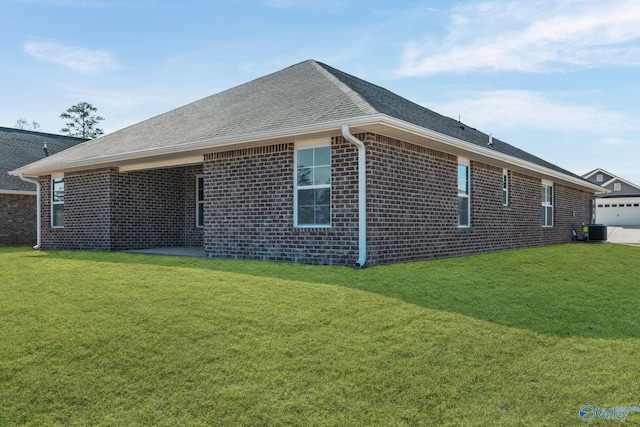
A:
(326, 128)
(492, 154)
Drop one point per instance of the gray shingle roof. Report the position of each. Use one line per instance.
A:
(20, 147)
(307, 93)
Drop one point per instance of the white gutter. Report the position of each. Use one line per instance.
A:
(258, 137)
(362, 195)
(38, 209)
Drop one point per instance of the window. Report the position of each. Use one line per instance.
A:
(57, 202)
(599, 178)
(505, 188)
(617, 186)
(199, 201)
(600, 206)
(312, 196)
(464, 203)
(547, 205)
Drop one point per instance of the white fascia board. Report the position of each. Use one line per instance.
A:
(19, 192)
(198, 146)
(476, 149)
(291, 133)
(595, 171)
(624, 181)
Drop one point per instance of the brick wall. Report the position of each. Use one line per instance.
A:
(108, 210)
(249, 207)
(413, 206)
(86, 211)
(17, 219)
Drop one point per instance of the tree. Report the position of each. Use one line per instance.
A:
(81, 121)
(22, 123)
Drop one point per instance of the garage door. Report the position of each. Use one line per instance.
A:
(618, 211)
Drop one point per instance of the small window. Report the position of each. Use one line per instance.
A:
(312, 197)
(464, 202)
(614, 205)
(600, 206)
(505, 188)
(635, 205)
(607, 206)
(617, 186)
(628, 205)
(599, 177)
(57, 203)
(547, 205)
(199, 201)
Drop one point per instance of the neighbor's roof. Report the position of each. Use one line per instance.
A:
(303, 96)
(20, 147)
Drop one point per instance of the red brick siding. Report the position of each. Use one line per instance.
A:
(249, 203)
(413, 206)
(249, 207)
(86, 211)
(17, 219)
(107, 210)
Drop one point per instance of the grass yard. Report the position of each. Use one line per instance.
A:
(523, 337)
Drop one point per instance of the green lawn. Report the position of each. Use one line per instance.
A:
(514, 338)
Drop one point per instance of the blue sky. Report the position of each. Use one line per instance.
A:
(560, 79)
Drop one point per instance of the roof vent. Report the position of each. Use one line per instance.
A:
(490, 143)
(46, 152)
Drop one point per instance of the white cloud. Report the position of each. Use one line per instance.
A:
(517, 109)
(72, 57)
(530, 36)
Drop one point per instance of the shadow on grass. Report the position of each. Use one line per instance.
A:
(580, 290)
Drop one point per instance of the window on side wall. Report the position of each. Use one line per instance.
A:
(464, 199)
(312, 196)
(505, 188)
(199, 201)
(547, 204)
(57, 203)
(617, 186)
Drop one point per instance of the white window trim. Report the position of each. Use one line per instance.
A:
(465, 162)
(304, 146)
(199, 202)
(53, 179)
(505, 188)
(617, 186)
(549, 184)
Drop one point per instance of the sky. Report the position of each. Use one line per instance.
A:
(559, 79)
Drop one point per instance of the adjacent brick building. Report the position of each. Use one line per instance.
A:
(17, 197)
(273, 170)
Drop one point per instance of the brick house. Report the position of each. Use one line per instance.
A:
(17, 197)
(308, 164)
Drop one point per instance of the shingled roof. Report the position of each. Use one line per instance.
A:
(20, 147)
(307, 94)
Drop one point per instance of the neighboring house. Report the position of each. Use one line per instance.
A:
(620, 205)
(308, 164)
(17, 197)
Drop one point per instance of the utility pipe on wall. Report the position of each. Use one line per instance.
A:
(362, 195)
(38, 209)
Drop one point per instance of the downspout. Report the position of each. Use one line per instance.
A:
(38, 208)
(362, 195)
